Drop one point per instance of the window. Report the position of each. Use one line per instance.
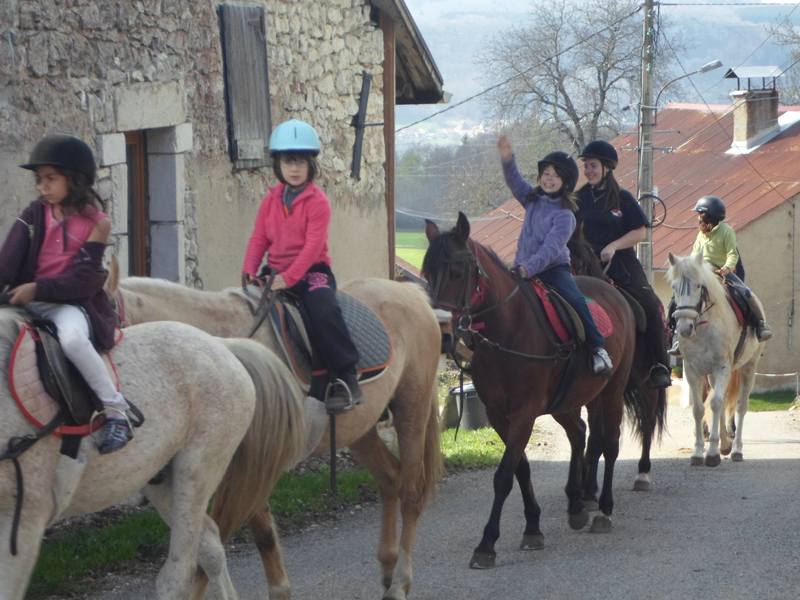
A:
(244, 52)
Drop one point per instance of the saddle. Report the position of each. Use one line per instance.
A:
(738, 296)
(562, 319)
(638, 310)
(369, 335)
(46, 386)
(565, 329)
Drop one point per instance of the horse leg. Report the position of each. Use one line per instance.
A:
(591, 465)
(652, 414)
(719, 384)
(532, 538)
(211, 558)
(372, 453)
(746, 379)
(698, 411)
(516, 438)
(182, 505)
(15, 571)
(265, 535)
(576, 434)
(605, 415)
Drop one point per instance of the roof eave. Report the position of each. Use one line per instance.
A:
(418, 78)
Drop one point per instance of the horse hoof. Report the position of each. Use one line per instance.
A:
(482, 560)
(712, 460)
(737, 457)
(387, 583)
(591, 505)
(579, 520)
(600, 524)
(532, 542)
(697, 461)
(642, 485)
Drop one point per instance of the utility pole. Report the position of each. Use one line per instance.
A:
(647, 110)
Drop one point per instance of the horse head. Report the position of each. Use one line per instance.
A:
(450, 266)
(695, 288)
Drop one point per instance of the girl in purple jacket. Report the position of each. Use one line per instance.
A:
(549, 222)
(51, 263)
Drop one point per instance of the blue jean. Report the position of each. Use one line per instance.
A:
(561, 279)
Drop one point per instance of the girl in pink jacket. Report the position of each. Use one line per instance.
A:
(291, 228)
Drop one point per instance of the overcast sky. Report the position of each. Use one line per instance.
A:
(456, 31)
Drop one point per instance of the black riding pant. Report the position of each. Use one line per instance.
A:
(328, 334)
(654, 336)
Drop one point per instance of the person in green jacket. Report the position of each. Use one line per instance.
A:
(716, 240)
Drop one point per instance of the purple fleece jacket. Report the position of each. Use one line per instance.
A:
(542, 243)
(81, 284)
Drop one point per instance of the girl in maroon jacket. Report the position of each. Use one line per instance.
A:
(51, 263)
(292, 229)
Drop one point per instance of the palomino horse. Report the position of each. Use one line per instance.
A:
(407, 387)
(647, 404)
(199, 398)
(516, 370)
(709, 334)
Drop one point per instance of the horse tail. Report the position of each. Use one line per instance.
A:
(646, 407)
(732, 392)
(433, 462)
(274, 442)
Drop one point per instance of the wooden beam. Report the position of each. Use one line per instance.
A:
(389, 92)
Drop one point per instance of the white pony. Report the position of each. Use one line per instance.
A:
(709, 334)
(198, 395)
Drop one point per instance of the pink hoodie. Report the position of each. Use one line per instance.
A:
(294, 239)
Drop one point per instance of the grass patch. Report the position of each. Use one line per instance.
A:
(474, 449)
(411, 246)
(780, 400)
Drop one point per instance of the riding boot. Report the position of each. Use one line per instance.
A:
(117, 432)
(344, 393)
(763, 332)
(601, 362)
(659, 376)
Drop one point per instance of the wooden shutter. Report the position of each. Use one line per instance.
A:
(244, 52)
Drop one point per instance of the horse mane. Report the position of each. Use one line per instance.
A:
(687, 266)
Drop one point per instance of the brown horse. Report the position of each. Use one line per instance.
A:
(516, 369)
(649, 403)
(407, 388)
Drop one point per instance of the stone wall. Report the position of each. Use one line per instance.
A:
(97, 70)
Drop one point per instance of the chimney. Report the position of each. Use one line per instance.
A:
(755, 108)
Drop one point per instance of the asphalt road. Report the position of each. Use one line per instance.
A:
(730, 532)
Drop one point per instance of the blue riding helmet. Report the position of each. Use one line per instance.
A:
(294, 135)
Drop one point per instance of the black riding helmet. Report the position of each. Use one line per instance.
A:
(713, 206)
(63, 151)
(602, 151)
(565, 166)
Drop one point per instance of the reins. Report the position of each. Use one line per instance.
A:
(17, 446)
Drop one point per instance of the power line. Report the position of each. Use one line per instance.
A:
(521, 73)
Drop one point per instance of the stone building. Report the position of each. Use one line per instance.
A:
(178, 97)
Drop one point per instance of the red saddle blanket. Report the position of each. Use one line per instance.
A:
(28, 390)
(601, 319)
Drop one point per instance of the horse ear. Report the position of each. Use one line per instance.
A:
(672, 259)
(431, 230)
(462, 228)
(112, 281)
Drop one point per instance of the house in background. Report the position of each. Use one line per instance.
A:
(179, 97)
(748, 153)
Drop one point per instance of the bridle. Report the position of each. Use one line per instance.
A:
(693, 311)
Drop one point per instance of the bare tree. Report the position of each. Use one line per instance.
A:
(788, 34)
(574, 67)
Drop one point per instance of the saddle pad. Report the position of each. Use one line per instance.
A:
(737, 308)
(366, 330)
(27, 389)
(599, 314)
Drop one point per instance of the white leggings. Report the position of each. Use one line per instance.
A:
(73, 333)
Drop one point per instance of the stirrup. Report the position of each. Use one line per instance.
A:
(339, 403)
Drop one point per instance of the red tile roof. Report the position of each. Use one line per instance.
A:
(690, 161)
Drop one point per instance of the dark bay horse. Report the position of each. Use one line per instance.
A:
(516, 369)
(649, 403)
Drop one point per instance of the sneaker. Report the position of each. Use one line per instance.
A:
(675, 350)
(601, 362)
(763, 332)
(659, 376)
(116, 433)
(344, 393)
